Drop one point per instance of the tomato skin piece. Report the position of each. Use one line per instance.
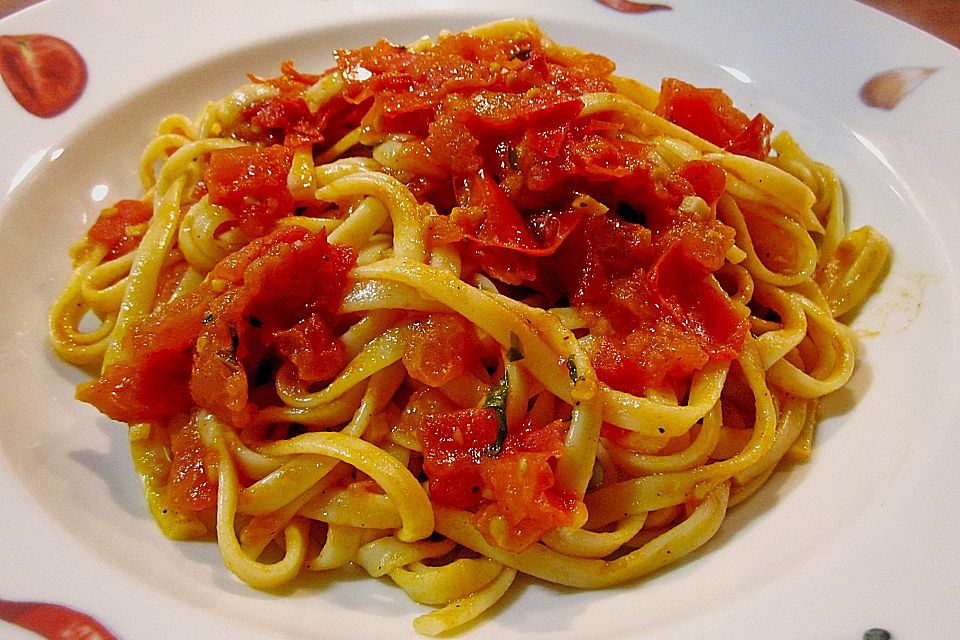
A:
(499, 240)
(45, 74)
(705, 178)
(313, 348)
(252, 183)
(111, 226)
(196, 350)
(189, 486)
(488, 217)
(601, 250)
(454, 444)
(517, 485)
(710, 114)
(682, 282)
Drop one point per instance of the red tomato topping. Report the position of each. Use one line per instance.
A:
(645, 346)
(681, 281)
(112, 227)
(272, 284)
(663, 313)
(440, 348)
(190, 487)
(313, 348)
(525, 496)
(603, 248)
(45, 74)
(706, 179)
(710, 114)
(517, 486)
(252, 183)
(454, 445)
(199, 348)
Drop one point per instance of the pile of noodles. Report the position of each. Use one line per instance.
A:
(392, 339)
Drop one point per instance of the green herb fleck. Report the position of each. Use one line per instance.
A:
(572, 368)
(515, 352)
(497, 400)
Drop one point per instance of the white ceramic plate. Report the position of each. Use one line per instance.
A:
(863, 537)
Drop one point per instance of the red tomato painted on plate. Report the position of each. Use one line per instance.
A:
(45, 74)
(53, 621)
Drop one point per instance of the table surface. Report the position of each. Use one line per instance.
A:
(939, 17)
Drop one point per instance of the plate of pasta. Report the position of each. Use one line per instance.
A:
(433, 319)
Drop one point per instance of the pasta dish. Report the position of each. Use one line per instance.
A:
(465, 308)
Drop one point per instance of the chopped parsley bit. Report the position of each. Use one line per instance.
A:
(497, 400)
(515, 352)
(877, 634)
(208, 319)
(522, 55)
(572, 368)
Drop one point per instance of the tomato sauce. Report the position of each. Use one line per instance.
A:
(492, 137)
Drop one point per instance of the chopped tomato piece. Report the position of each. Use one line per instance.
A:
(313, 348)
(440, 348)
(113, 226)
(279, 112)
(153, 387)
(681, 282)
(291, 81)
(190, 485)
(490, 218)
(252, 183)
(525, 496)
(648, 356)
(601, 250)
(514, 491)
(198, 348)
(710, 114)
(706, 179)
(644, 345)
(154, 383)
(454, 444)
(273, 283)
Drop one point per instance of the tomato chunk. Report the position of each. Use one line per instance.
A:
(113, 226)
(440, 347)
(514, 492)
(682, 282)
(199, 349)
(710, 114)
(706, 179)
(190, 485)
(252, 183)
(527, 503)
